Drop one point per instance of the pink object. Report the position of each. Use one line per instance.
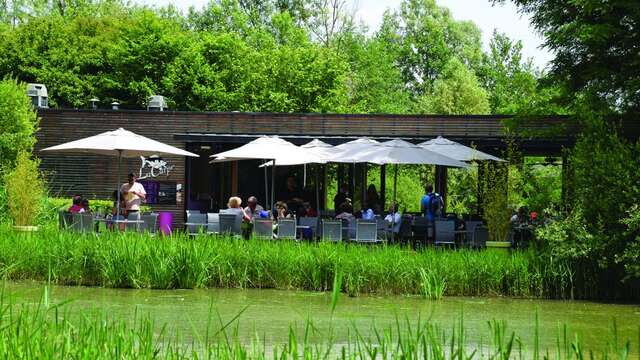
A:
(165, 222)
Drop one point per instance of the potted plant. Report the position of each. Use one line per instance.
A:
(496, 209)
(25, 191)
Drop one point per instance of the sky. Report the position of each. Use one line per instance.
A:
(503, 17)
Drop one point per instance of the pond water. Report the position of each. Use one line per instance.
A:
(270, 313)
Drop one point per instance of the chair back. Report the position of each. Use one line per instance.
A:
(65, 219)
(76, 222)
(286, 228)
(445, 231)
(332, 230)
(263, 228)
(213, 223)
(470, 225)
(311, 222)
(480, 236)
(405, 228)
(382, 227)
(149, 224)
(196, 218)
(229, 223)
(421, 227)
(366, 231)
(133, 226)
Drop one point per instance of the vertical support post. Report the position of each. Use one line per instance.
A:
(383, 186)
(480, 191)
(352, 182)
(234, 178)
(441, 179)
(324, 187)
(273, 184)
(340, 177)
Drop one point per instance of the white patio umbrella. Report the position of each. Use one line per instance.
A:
(316, 146)
(456, 150)
(269, 148)
(401, 152)
(120, 143)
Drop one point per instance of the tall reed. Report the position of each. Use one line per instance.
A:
(132, 260)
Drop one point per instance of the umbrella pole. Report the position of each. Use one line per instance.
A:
(318, 190)
(266, 186)
(118, 185)
(394, 205)
(273, 183)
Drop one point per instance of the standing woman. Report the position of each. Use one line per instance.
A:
(373, 200)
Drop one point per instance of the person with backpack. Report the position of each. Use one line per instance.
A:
(431, 204)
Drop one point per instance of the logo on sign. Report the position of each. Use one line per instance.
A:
(154, 166)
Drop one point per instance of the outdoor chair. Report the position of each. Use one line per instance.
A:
(82, 223)
(348, 230)
(480, 236)
(65, 219)
(445, 232)
(422, 229)
(213, 223)
(133, 226)
(470, 227)
(311, 222)
(366, 231)
(332, 230)
(286, 228)
(195, 222)
(405, 230)
(263, 228)
(383, 228)
(229, 223)
(149, 223)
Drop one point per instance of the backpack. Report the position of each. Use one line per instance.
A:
(435, 204)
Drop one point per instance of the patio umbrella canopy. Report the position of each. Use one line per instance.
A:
(269, 148)
(401, 152)
(456, 150)
(398, 152)
(120, 143)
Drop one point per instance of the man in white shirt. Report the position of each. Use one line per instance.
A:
(394, 218)
(134, 194)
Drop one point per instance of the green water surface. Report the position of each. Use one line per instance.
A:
(270, 313)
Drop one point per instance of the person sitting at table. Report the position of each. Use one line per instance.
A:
(341, 197)
(281, 210)
(253, 210)
(76, 206)
(85, 206)
(234, 207)
(346, 213)
(373, 200)
(308, 211)
(394, 219)
(114, 210)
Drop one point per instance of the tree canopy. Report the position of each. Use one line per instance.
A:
(272, 55)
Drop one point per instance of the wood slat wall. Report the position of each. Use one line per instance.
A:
(96, 175)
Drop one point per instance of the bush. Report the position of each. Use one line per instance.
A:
(25, 190)
(18, 122)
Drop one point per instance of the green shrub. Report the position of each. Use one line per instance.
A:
(25, 190)
(18, 122)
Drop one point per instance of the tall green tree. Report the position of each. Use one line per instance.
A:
(456, 92)
(595, 45)
(426, 37)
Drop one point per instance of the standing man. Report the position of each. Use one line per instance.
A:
(134, 194)
(431, 204)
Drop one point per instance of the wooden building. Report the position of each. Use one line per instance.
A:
(194, 183)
